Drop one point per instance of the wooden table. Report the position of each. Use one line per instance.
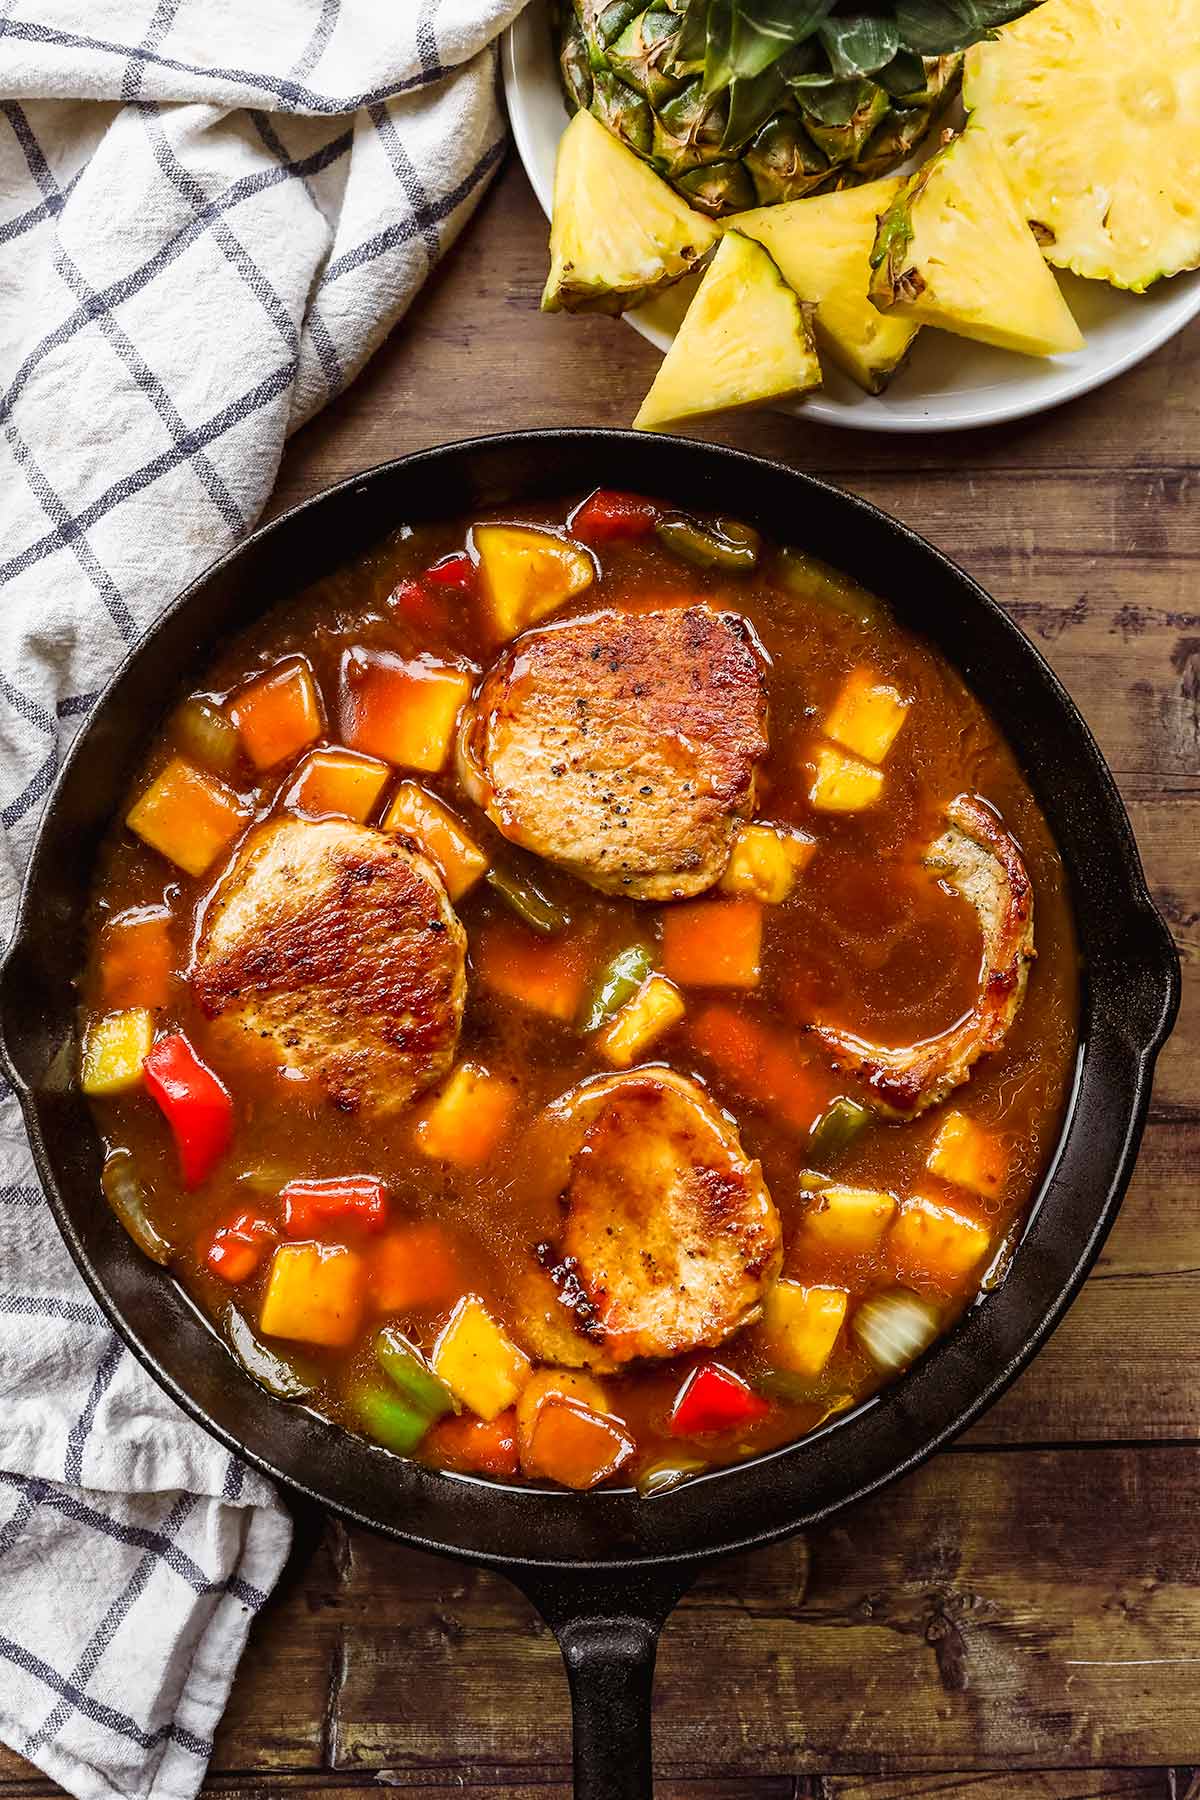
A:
(1020, 1618)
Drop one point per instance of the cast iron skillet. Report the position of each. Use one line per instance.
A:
(605, 1568)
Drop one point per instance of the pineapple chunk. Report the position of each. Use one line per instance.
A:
(315, 1293)
(526, 573)
(848, 1220)
(468, 1118)
(823, 248)
(766, 862)
(744, 342)
(933, 1241)
(657, 1005)
(441, 835)
(1094, 110)
(866, 716)
(842, 783)
(619, 233)
(801, 1325)
(478, 1361)
(954, 250)
(968, 1156)
(187, 815)
(114, 1049)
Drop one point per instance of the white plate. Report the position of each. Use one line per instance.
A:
(948, 383)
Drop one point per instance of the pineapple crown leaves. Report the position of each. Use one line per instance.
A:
(823, 42)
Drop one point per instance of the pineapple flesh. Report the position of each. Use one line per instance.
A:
(619, 233)
(1093, 106)
(954, 250)
(823, 248)
(744, 342)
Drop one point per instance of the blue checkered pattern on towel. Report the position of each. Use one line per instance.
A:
(211, 213)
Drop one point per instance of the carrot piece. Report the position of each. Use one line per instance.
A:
(338, 784)
(413, 1268)
(572, 1444)
(548, 974)
(135, 959)
(713, 943)
(474, 1446)
(186, 815)
(467, 1119)
(404, 712)
(762, 1066)
(278, 714)
(609, 513)
(440, 834)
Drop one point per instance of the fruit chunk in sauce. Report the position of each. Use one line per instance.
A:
(402, 1270)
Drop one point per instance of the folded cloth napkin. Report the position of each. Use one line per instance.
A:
(211, 213)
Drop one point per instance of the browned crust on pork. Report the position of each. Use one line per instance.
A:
(669, 1239)
(332, 951)
(981, 861)
(623, 745)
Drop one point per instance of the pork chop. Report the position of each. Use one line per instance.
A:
(979, 859)
(669, 1237)
(622, 746)
(332, 951)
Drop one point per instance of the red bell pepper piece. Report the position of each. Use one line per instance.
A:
(608, 514)
(474, 1446)
(238, 1248)
(347, 1199)
(713, 1399)
(426, 611)
(457, 571)
(196, 1106)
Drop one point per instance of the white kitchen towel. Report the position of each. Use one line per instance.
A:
(211, 213)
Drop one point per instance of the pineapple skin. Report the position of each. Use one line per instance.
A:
(744, 317)
(917, 233)
(619, 234)
(1093, 106)
(792, 153)
(823, 248)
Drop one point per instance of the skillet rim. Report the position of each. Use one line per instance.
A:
(1130, 1052)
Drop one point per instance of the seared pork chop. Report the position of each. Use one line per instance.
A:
(622, 745)
(332, 951)
(978, 858)
(669, 1238)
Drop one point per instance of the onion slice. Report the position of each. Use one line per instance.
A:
(894, 1328)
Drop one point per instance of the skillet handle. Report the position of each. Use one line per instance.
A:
(608, 1635)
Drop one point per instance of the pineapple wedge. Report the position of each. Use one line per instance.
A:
(1093, 107)
(744, 342)
(619, 233)
(823, 248)
(954, 250)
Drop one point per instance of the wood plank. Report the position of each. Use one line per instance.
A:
(1142, 1296)
(1043, 1784)
(476, 356)
(1028, 1611)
